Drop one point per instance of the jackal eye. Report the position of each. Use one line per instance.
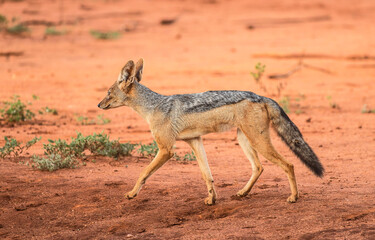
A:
(109, 92)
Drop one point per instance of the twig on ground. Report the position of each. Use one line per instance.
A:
(38, 22)
(11, 54)
(282, 21)
(317, 68)
(285, 75)
(299, 66)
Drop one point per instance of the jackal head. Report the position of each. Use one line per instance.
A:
(119, 93)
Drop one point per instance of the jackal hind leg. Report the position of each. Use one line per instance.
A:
(163, 155)
(261, 142)
(197, 145)
(256, 166)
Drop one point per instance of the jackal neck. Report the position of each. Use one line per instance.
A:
(143, 100)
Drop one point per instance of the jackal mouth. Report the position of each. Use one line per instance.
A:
(106, 107)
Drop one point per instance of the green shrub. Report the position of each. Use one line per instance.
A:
(189, 157)
(149, 150)
(14, 148)
(97, 144)
(15, 29)
(54, 162)
(52, 31)
(62, 148)
(60, 154)
(15, 110)
(3, 20)
(104, 35)
(18, 29)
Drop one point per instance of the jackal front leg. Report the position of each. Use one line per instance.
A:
(161, 157)
(197, 145)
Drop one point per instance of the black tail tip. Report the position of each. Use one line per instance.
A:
(319, 172)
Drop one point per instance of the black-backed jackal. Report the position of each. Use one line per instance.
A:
(189, 116)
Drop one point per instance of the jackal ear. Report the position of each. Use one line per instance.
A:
(125, 73)
(138, 70)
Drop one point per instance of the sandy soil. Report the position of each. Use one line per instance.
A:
(212, 45)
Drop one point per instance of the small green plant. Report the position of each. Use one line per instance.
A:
(15, 110)
(284, 104)
(18, 29)
(97, 144)
(15, 28)
(60, 154)
(14, 148)
(149, 150)
(365, 110)
(48, 111)
(177, 157)
(52, 31)
(104, 35)
(189, 157)
(54, 162)
(3, 20)
(62, 148)
(260, 68)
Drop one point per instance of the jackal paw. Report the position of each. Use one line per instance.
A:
(242, 193)
(292, 198)
(210, 201)
(130, 195)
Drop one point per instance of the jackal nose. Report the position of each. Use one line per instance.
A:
(98, 105)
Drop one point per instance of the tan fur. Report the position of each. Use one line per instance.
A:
(251, 120)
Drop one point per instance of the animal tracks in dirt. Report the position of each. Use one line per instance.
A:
(114, 184)
(363, 232)
(359, 215)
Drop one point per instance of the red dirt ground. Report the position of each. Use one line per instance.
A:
(210, 46)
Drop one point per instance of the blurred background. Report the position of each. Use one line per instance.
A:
(69, 52)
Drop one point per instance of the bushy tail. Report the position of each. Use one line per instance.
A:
(290, 134)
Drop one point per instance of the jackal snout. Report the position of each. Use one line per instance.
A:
(115, 98)
(107, 100)
(102, 105)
